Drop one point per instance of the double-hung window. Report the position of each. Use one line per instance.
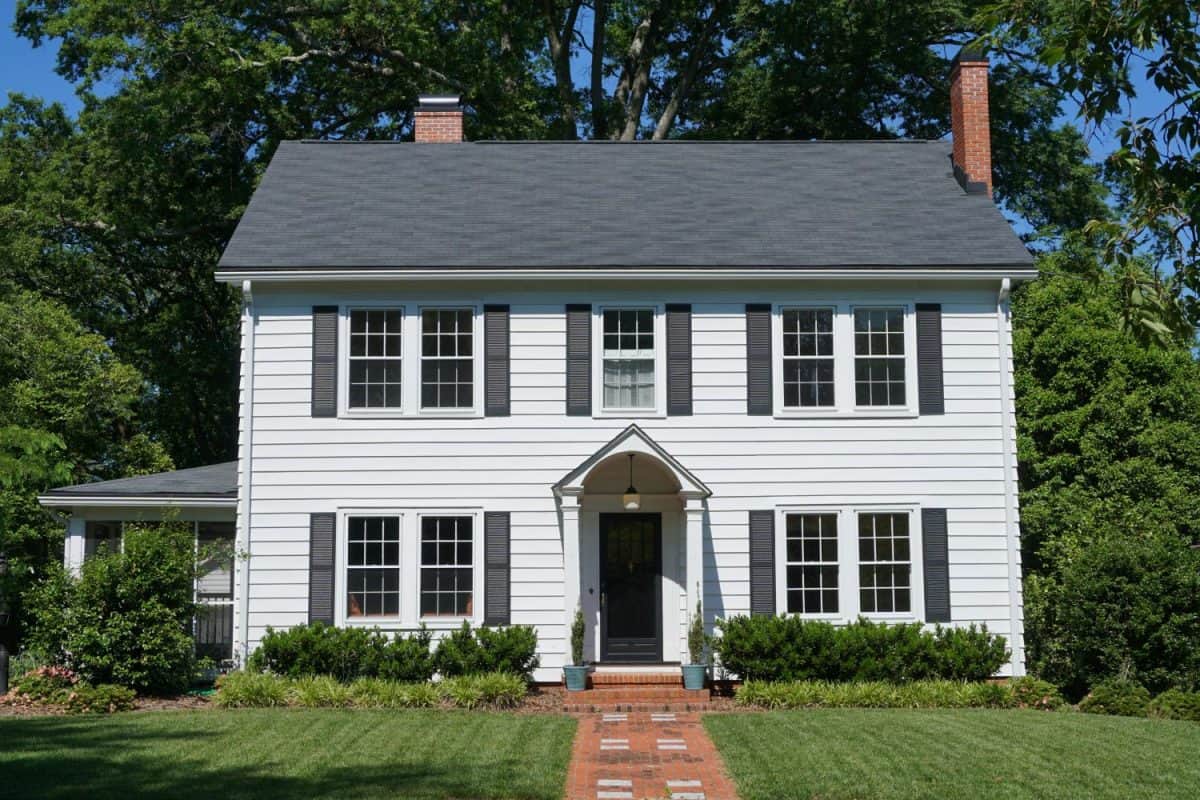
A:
(885, 563)
(447, 566)
(629, 356)
(376, 356)
(879, 357)
(808, 376)
(812, 563)
(447, 358)
(372, 566)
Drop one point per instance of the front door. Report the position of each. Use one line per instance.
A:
(630, 587)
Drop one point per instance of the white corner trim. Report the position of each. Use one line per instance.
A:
(242, 532)
(1012, 532)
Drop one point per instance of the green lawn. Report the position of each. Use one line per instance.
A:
(956, 755)
(269, 753)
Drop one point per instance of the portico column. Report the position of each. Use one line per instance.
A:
(571, 596)
(74, 550)
(694, 511)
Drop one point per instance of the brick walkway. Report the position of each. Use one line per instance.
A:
(619, 756)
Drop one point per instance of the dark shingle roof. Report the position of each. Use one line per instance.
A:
(598, 204)
(215, 481)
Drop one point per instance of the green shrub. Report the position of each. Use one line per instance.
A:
(105, 698)
(344, 653)
(1031, 692)
(251, 690)
(874, 694)
(1123, 605)
(467, 651)
(788, 648)
(1118, 696)
(127, 618)
(578, 632)
(1176, 704)
(420, 695)
(46, 684)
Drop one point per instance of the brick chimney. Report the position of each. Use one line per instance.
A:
(970, 124)
(438, 118)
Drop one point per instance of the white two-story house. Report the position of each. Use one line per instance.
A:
(497, 381)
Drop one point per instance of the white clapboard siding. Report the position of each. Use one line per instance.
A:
(303, 465)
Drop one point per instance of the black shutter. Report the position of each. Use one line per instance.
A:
(758, 359)
(496, 390)
(762, 563)
(935, 538)
(324, 361)
(579, 360)
(930, 391)
(679, 360)
(497, 608)
(320, 568)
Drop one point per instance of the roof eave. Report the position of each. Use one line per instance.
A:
(138, 501)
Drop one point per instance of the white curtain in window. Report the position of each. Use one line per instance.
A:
(629, 383)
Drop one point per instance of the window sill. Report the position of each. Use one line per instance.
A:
(632, 413)
(857, 413)
(400, 415)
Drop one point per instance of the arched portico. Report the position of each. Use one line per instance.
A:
(595, 518)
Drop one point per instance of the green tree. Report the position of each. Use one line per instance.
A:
(1094, 50)
(1109, 447)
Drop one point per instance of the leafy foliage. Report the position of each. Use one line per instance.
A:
(264, 690)
(578, 632)
(104, 698)
(789, 648)
(1117, 696)
(344, 654)
(1109, 446)
(875, 694)
(1031, 692)
(127, 618)
(1176, 704)
(467, 651)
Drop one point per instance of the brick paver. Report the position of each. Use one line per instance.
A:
(632, 756)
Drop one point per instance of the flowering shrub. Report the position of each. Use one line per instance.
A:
(45, 685)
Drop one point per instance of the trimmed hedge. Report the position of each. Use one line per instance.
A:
(788, 648)
(344, 653)
(1117, 696)
(480, 651)
(1176, 704)
(875, 694)
(259, 690)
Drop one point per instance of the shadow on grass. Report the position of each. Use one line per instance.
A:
(92, 758)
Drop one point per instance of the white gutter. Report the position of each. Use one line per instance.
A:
(247, 460)
(138, 501)
(319, 274)
(1012, 531)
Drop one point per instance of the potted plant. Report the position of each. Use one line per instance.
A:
(575, 676)
(695, 672)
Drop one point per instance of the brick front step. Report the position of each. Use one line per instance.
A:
(590, 708)
(605, 679)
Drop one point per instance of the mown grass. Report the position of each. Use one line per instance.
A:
(872, 754)
(283, 753)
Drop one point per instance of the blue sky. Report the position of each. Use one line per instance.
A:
(30, 70)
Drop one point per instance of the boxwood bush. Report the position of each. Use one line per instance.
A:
(467, 651)
(788, 648)
(1118, 696)
(1176, 704)
(344, 653)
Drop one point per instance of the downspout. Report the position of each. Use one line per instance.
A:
(1012, 533)
(247, 459)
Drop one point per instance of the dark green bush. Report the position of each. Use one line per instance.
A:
(103, 699)
(1118, 696)
(1176, 704)
(787, 648)
(127, 619)
(1030, 692)
(467, 651)
(344, 653)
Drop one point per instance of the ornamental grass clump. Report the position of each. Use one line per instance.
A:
(245, 689)
(262, 690)
(319, 691)
(874, 694)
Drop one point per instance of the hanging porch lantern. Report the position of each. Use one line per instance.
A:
(631, 500)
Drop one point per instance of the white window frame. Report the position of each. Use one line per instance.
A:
(849, 601)
(409, 617)
(410, 361)
(844, 404)
(660, 362)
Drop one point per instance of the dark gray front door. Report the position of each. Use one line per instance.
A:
(631, 587)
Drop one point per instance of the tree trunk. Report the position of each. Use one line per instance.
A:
(599, 116)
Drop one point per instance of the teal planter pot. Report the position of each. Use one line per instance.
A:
(575, 678)
(694, 676)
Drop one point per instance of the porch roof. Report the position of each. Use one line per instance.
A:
(215, 484)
